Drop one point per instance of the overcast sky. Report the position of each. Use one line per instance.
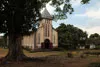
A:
(86, 17)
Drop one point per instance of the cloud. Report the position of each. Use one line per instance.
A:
(93, 30)
(95, 14)
(92, 12)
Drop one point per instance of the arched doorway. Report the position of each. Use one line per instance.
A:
(47, 43)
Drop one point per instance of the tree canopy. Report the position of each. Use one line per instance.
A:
(70, 37)
(94, 39)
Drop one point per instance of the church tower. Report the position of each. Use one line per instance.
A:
(47, 23)
(46, 27)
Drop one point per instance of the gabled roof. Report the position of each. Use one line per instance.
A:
(46, 15)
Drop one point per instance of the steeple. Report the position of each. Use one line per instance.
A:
(46, 15)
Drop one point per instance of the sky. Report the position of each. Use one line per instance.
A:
(85, 17)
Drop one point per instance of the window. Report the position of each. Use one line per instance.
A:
(54, 39)
(48, 30)
(39, 38)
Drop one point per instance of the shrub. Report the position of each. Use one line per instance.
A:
(58, 49)
(70, 55)
(94, 65)
(27, 48)
(97, 47)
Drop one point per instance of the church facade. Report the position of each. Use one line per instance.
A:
(46, 37)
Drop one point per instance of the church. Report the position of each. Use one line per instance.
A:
(46, 37)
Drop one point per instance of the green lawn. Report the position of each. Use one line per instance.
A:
(3, 52)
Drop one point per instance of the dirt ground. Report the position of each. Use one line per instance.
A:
(51, 59)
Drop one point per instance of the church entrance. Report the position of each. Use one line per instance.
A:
(47, 43)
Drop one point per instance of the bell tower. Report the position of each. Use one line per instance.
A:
(46, 23)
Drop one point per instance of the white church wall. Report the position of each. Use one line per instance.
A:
(28, 41)
(55, 38)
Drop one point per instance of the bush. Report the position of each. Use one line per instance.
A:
(97, 47)
(70, 55)
(92, 53)
(27, 48)
(94, 65)
(58, 49)
(68, 47)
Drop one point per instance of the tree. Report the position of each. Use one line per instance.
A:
(17, 17)
(94, 39)
(95, 35)
(69, 36)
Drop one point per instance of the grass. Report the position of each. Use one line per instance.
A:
(3, 52)
(94, 64)
(43, 54)
(56, 58)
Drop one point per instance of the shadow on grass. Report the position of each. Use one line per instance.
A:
(94, 64)
(25, 60)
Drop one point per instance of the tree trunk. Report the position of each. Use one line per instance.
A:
(15, 49)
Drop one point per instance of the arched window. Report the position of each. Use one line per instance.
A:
(38, 38)
(48, 28)
(54, 39)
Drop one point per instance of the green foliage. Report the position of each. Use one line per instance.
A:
(95, 35)
(97, 47)
(62, 12)
(94, 65)
(69, 36)
(58, 49)
(94, 39)
(3, 43)
(27, 48)
(19, 16)
(85, 1)
(92, 53)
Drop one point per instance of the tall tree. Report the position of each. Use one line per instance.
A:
(69, 36)
(94, 39)
(17, 17)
